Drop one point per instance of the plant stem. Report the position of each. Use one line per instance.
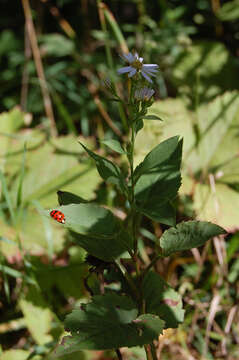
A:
(118, 354)
(155, 259)
(39, 67)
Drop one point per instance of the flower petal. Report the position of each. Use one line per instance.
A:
(128, 57)
(149, 70)
(124, 69)
(132, 72)
(146, 76)
(149, 73)
(152, 66)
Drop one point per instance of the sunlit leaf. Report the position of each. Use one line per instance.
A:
(114, 145)
(188, 235)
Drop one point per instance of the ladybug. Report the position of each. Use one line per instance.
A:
(58, 216)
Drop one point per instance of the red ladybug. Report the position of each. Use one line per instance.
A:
(58, 216)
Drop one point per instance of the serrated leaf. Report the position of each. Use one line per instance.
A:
(152, 117)
(110, 321)
(114, 145)
(188, 235)
(109, 171)
(161, 299)
(96, 229)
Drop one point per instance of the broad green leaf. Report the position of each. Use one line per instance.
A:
(229, 11)
(107, 248)
(67, 280)
(162, 213)
(38, 321)
(161, 299)
(96, 229)
(217, 205)
(109, 171)
(110, 321)
(214, 159)
(66, 198)
(15, 354)
(152, 117)
(10, 122)
(197, 75)
(89, 219)
(188, 235)
(158, 185)
(114, 145)
(54, 167)
(158, 156)
(217, 140)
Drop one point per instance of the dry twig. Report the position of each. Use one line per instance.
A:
(39, 67)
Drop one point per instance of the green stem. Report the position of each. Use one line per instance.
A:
(155, 259)
(150, 352)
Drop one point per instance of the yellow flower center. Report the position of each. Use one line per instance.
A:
(137, 64)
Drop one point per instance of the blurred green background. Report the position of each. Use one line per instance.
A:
(55, 56)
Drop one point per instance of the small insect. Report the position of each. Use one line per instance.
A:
(58, 216)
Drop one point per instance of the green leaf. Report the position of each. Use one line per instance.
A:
(110, 321)
(106, 249)
(158, 156)
(196, 68)
(158, 185)
(66, 198)
(152, 117)
(96, 229)
(139, 125)
(188, 235)
(53, 167)
(108, 170)
(57, 45)
(15, 354)
(229, 11)
(89, 219)
(214, 157)
(162, 300)
(114, 145)
(163, 213)
(38, 321)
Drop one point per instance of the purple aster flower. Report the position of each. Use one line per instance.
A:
(136, 65)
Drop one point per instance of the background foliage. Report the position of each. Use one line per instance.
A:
(42, 270)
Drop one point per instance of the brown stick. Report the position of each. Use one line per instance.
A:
(25, 74)
(39, 66)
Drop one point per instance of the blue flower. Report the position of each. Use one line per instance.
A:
(136, 65)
